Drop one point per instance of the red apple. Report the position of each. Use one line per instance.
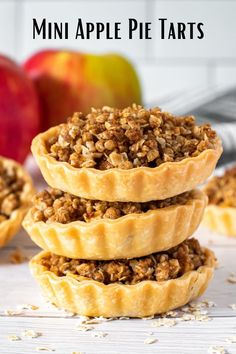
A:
(19, 111)
(69, 81)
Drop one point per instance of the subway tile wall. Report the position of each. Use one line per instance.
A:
(164, 66)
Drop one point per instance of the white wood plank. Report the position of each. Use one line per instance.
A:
(122, 336)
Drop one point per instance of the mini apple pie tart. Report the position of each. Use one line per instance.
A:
(134, 154)
(220, 214)
(136, 288)
(90, 229)
(16, 191)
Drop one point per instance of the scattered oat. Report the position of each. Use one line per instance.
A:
(166, 322)
(193, 306)
(202, 318)
(27, 307)
(97, 320)
(69, 314)
(171, 314)
(148, 318)
(150, 340)
(17, 256)
(13, 312)
(232, 306)
(45, 349)
(231, 279)
(83, 319)
(92, 321)
(84, 328)
(30, 333)
(200, 312)
(217, 350)
(231, 339)
(209, 303)
(125, 318)
(187, 317)
(13, 338)
(99, 334)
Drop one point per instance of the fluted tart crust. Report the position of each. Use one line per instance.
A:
(119, 289)
(16, 192)
(127, 155)
(77, 228)
(220, 214)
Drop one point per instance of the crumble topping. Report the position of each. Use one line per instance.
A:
(221, 190)
(11, 187)
(160, 266)
(107, 138)
(55, 205)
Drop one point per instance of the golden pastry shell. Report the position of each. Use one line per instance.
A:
(220, 219)
(139, 184)
(130, 236)
(91, 298)
(10, 227)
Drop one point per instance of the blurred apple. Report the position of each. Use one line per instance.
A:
(19, 111)
(69, 81)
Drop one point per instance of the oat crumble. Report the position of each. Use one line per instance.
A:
(160, 266)
(54, 205)
(11, 187)
(221, 190)
(108, 138)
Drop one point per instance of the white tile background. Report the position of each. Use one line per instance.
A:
(165, 66)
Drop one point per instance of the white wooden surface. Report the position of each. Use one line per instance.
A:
(58, 329)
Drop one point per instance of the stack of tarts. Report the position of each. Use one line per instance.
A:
(115, 224)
